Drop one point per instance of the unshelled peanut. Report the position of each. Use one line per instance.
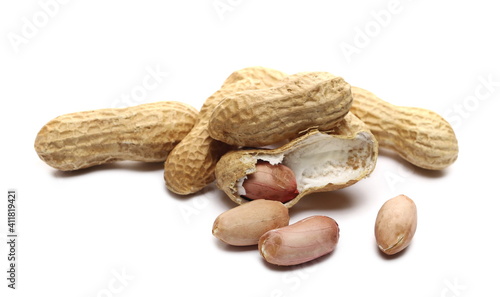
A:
(303, 241)
(298, 103)
(146, 132)
(396, 224)
(420, 136)
(190, 166)
(245, 224)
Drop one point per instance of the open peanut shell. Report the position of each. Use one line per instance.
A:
(321, 161)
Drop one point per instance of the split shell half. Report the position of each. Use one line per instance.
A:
(321, 161)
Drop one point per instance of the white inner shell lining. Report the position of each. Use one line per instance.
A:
(321, 159)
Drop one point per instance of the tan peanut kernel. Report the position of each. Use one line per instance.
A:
(245, 224)
(266, 116)
(191, 164)
(271, 182)
(146, 132)
(396, 224)
(420, 136)
(321, 162)
(303, 241)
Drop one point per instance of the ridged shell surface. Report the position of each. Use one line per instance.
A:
(190, 167)
(420, 136)
(146, 132)
(299, 102)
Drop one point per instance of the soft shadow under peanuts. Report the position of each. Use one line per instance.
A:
(333, 200)
(409, 167)
(136, 166)
(198, 194)
(429, 173)
(391, 257)
(222, 198)
(235, 249)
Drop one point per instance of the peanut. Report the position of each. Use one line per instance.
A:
(396, 224)
(146, 132)
(272, 182)
(245, 224)
(190, 166)
(420, 136)
(266, 116)
(303, 241)
(321, 162)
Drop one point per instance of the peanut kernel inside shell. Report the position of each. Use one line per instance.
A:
(319, 160)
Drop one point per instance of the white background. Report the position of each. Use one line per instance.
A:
(116, 231)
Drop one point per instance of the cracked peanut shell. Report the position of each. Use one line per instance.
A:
(321, 161)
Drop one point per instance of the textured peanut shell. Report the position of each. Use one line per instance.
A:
(237, 164)
(420, 136)
(303, 241)
(191, 164)
(244, 225)
(396, 224)
(266, 116)
(146, 132)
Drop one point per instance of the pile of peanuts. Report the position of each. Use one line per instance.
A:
(267, 139)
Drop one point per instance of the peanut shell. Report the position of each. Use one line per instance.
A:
(420, 136)
(146, 132)
(191, 164)
(299, 102)
(321, 161)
